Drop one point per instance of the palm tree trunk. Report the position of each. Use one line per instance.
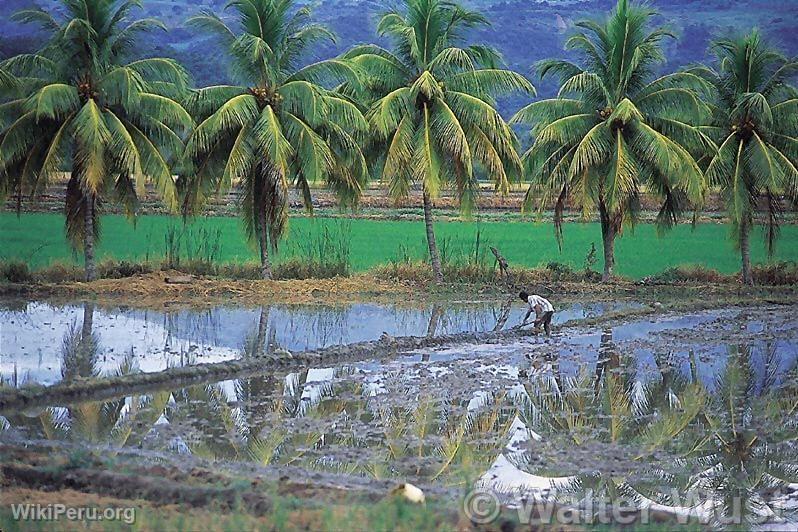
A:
(88, 237)
(745, 252)
(265, 263)
(434, 256)
(608, 238)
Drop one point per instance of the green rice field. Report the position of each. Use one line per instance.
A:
(38, 239)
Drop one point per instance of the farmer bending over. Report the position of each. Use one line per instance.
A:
(543, 311)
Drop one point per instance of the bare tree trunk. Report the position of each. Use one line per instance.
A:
(504, 314)
(608, 238)
(432, 326)
(745, 252)
(88, 237)
(265, 263)
(434, 256)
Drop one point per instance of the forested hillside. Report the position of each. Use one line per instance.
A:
(525, 31)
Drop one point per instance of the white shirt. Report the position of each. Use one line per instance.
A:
(545, 305)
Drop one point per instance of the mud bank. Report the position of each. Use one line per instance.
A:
(159, 289)
(258, 492)
(648, 390)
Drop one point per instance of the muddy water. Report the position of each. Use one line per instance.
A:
(45, 343)
(693, 414)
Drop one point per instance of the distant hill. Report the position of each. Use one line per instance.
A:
(525, 31)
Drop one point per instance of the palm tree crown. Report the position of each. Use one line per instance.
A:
(755, 124)
(615, 127)
(280, 125)
(435, 108)
(80, 105)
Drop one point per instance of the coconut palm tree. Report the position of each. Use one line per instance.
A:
(84, 108)
(756, 127)
(435, 114)
(615, 128)
(279, 125)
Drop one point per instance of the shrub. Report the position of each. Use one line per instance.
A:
(199, 267)
(686, 274)
(318, 254)
(15, 272)
(590, 261)
(404, 270)
(247, 270)
(559, 271)
(59, 272)
(296, 268)
(778, 273)
(111, 269)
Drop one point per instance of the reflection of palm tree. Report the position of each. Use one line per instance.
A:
(749, 431)
(118, 421)
(610, 406)
(283, 443)
(204, 408)
(257, 394)
(80, 348)
(462, 443)
(733, 444)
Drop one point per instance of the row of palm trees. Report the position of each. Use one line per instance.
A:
(422, 113)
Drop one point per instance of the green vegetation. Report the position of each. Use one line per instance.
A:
(30, 238)
(281, 128)
(288, 513)
(756, 127)
(434, 119)
(79, 105)
(614, 128)
(423, 114)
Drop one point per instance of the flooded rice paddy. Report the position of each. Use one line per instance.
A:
(38, 339)
(692, 414)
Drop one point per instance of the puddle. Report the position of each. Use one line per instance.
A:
(45, 343)
(695, 414)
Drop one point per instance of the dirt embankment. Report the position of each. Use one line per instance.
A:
(191, 496)
(211, 496)
(374, 198)
(163, 287)
(174, 288)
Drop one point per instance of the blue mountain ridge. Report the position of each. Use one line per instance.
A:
(524, 31)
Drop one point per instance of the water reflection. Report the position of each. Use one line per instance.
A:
(699, 429)
(669, 441)
(155, 340)
(80, 348)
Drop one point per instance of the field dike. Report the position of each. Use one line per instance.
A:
(197, 485)
(284, 361)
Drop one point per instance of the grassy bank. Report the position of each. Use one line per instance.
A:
(359, 245)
